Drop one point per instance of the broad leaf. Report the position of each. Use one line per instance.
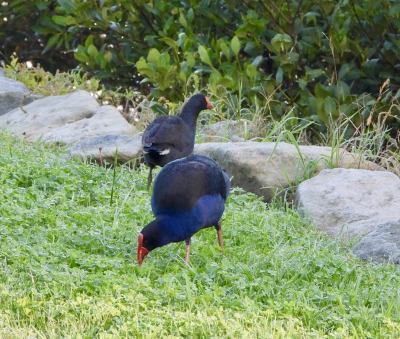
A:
(251, 71)
(204, 55)
(329, 105)
(235, 45)
(89, 41)
(153, 56)
(170, 42)
(225, 49)
(81, 57)
(279, 75)
(59, 20)
(257, 61)
(68, 5)
(92, 50)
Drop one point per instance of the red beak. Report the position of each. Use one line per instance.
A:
(141, 251)
(209, 105)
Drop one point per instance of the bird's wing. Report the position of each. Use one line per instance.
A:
(164, 132)
(181, 184)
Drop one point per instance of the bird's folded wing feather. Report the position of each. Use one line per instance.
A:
(165, 131)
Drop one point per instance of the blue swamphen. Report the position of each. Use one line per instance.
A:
(189, 194)
(171, 137)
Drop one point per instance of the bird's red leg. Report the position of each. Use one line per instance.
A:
(187, 241)
(219, 232)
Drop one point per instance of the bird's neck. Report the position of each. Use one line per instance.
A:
(178, 227)
(189, 117)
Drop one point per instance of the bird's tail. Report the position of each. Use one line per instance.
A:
(151, 148)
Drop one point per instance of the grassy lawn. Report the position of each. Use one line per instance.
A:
(68, 240)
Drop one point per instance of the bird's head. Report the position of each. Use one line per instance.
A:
(150, 237)
(197, 102)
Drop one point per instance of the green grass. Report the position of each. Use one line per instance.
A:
(68, 264)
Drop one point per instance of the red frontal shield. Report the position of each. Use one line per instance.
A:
(141, 251)
(209, 105)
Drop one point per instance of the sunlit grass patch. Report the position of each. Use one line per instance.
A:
(68, 264)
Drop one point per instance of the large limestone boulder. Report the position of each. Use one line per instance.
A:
(66, 119)
(44, 115)
(223, 131)
(349, 202)
(12, 93)
(382, 245)
(266, 169)
(105, 120)
(129, 147)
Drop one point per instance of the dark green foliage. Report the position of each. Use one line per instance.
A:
(313, 59)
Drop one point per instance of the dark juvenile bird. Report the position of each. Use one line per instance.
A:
(189, 194)
(171, 137)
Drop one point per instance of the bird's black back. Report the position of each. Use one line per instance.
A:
(181, 183)
(168, 138)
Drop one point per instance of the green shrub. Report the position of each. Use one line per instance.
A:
(317, 60)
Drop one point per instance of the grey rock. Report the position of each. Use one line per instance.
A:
(382, 245)
(129, 147)
(235, 138)
(223, 131)
(31, 98)
(12, 93)
(44, 115)
(2, 72)
(266, 169)
(105, 120)
(349, 202)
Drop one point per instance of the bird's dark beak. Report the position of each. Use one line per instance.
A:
(141, 251)
(209, 105)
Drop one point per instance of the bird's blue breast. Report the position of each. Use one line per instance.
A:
(179, 226)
